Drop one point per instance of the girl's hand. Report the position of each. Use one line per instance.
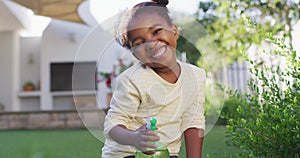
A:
(144, 138)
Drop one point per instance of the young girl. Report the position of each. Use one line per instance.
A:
(157, 86)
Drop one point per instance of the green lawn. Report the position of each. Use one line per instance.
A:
(80, 144)
(49, 144)
(214, 144)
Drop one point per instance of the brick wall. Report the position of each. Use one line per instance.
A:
(59, 119)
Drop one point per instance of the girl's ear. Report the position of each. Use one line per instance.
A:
(175, 31)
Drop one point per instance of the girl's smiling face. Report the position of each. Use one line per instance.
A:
(153, 40)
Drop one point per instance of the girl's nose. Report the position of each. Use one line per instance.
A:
(151, 42)
(150, 45)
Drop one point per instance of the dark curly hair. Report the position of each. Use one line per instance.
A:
(155, 6)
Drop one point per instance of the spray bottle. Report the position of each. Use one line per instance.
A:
(161, 151)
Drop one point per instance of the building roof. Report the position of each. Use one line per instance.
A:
(57, 9)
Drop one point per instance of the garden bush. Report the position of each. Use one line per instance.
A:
(229, 109)
(266, 122)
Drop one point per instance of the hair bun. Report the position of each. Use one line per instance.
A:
(163, 2)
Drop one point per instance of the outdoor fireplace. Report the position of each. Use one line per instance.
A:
(69, 76)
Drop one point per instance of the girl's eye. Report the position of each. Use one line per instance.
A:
(157, 31)
(137, 43)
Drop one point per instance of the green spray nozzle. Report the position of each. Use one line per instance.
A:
(151, 124)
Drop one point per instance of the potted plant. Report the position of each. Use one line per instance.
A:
(108, 77)
(28, 86)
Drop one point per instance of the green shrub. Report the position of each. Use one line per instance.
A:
(267, 120)
(229, 109)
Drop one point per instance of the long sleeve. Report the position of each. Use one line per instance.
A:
(124, 104)
(194, 115)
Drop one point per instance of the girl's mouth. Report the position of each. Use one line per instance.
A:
(160, 52)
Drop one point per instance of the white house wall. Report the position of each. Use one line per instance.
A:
(9, 69)
(30, 60)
